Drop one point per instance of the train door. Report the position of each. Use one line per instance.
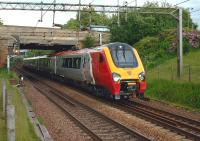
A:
(87, 69)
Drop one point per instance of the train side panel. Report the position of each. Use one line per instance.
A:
(102, 73)
(87, 68)
(70, 67)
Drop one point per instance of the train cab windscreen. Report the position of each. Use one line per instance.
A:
(123, 55)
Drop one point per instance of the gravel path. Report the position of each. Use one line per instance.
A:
(58, 124)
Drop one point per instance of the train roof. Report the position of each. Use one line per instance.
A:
(87, 50)
(37, 57)
(77, 52)
(81, 51)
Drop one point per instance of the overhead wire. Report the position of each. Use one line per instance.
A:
(43, 14)
(130, 2)
(195, 11)
(91, 2)
(181, 2)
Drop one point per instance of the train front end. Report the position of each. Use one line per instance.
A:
(127, 71)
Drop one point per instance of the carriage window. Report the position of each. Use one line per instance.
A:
(66, 62)
(70, 63)
(74, 63)
(77, 63)
(100, 58)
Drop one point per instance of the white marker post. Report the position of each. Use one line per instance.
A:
(10, 123)
(8, 63)
(4, 97)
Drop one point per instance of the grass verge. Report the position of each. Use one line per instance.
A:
(163, 84)
(2, 118)
(24, 128)
(168, 69)
(184, 94)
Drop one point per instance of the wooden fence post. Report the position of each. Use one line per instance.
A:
(189, 69)
(10, 123)
(172, 73)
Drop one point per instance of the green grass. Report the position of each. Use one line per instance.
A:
(183, 94)
(24, 128)
(168, 69)
(41, 120)
(4, 74)
(2, 117)
(165, 86)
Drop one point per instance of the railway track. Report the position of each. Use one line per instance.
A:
(181, 125)
(95, 124)
(184, 126)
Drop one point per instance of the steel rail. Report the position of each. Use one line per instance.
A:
(173, 124)
(192, 121)
(68, 99)
(74, 119)
(181, 125)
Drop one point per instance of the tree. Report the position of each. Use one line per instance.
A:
(96, 19)
(32, 53)
(139, 25)
(134, 29)
(71, 24)
(164, 21)
(1, 21)
(89, 42)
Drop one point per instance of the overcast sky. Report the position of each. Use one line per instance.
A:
(30, 18)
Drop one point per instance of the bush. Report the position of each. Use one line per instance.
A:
(186, 45)
(153, 50)
(157, 49)
(89, 42)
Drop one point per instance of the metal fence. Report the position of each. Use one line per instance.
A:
(190, 73)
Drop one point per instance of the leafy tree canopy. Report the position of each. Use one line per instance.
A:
(71, 24)
(139, 25)
(89, 42)
(33, 53)
(1, 21)
(96, 19)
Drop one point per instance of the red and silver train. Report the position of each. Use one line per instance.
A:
(114, 69)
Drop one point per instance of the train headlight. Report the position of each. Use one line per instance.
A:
(116, 77)
(142, 76)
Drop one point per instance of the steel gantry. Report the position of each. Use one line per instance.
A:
(116, 9)
(33, 6)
